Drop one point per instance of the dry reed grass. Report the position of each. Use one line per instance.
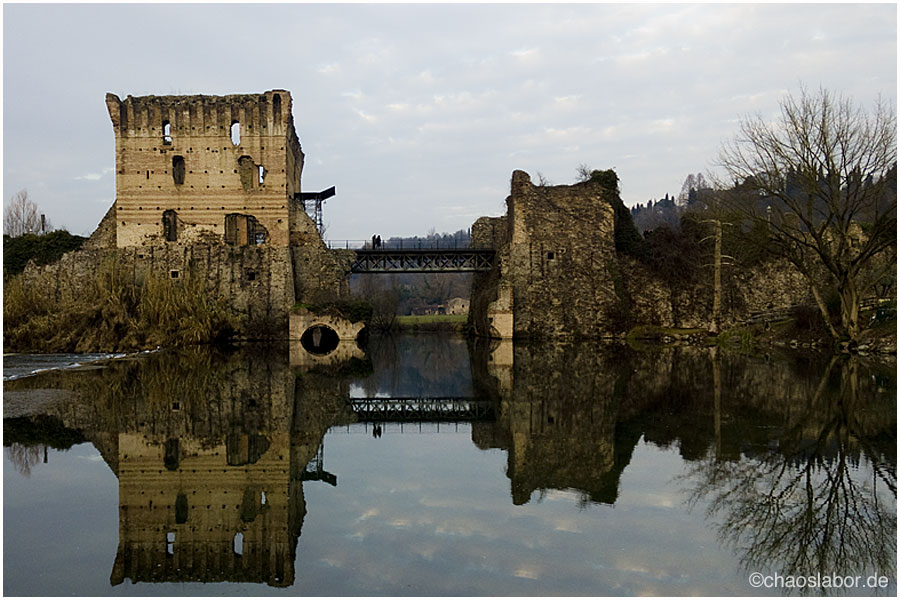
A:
(110, 313)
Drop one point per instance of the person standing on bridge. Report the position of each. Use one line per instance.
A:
(379, 241)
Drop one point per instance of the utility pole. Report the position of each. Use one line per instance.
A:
(717, 272)
(717, 279)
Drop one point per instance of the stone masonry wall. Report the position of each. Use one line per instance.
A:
(560, 276)
(561, 249)
(554, 260)
(490, 308)
(178, 153)
(195, 200)
(256, 282)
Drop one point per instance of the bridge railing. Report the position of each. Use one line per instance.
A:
(400, 244)
(406, 409)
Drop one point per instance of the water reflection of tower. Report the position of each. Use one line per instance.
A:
(210, 484)
(209, 509)
(210, 450)
(557, 420)
(208, 519)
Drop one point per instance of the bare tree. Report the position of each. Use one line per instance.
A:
(690, 188)
(800, 505)
(584, 172)
(384, 301)
(818, 185)
(21, 216)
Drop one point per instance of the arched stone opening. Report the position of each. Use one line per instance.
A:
(319, 339)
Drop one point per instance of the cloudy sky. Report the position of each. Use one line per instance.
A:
(418, 114)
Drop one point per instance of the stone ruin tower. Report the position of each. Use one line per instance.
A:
(206, 169)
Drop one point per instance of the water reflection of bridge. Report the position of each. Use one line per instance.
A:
(419, 408)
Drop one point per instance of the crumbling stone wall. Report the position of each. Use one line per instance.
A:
(105, 234)
(320, 275)
(554, 258)
(559, 274)
(255, 282)
(766, 286)
(205, 157)
(205, 188)
(490, 307)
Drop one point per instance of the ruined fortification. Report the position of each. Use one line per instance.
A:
(208, 189)
(558, 273)
(554, 246)
(201, 168)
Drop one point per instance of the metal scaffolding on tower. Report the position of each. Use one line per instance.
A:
(312, 204)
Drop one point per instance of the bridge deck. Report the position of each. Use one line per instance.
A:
(430, 260)
(422, 409)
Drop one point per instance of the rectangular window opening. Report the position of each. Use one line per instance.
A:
(178, 170)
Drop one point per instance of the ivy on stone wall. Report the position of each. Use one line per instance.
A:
(627, 238)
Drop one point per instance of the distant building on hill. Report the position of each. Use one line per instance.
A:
(457, 306)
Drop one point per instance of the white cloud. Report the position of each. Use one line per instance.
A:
(353, 94)
(528, 572)
(662, 125)
(567, 102)
(366, 116)
(369, 513)
(527, 55)
(426, 77)
(95, 176)
(476, 90)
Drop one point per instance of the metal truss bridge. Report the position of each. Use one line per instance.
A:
(409, 409)
(415, 256)
(433, 260)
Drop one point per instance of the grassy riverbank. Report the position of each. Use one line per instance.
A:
(431, 322)
(803, 328)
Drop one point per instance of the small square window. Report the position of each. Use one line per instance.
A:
(174, 274)
(550, 256)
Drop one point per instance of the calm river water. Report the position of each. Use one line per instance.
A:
(431, 466)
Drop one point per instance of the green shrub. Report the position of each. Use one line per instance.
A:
(354, 310)
(627, 238)
(43, 249)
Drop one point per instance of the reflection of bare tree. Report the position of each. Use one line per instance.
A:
(801, 507)
(24, 457)
(385, 354)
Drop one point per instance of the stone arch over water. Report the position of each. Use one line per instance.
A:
(320, 339)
